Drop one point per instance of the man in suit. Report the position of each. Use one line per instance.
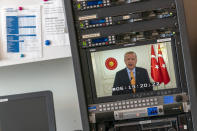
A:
(131, 79)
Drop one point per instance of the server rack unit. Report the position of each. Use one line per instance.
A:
(111, 26)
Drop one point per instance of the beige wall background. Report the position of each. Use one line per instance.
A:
(55, 75)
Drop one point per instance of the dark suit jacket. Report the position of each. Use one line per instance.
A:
(122, 80)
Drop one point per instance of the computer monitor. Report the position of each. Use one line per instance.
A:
(27, 112)
(155, 69)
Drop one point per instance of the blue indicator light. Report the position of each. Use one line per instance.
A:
(91, 3)
(152, 111)
(168, 99)
(92, 108)
(47, 42)
(100, 40)
(100, 2)
(22, 56)
(93, 22)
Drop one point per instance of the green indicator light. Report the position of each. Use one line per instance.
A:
(81, 25)
(84, 43)
(79, 6)
(173, 33)
(171, 13)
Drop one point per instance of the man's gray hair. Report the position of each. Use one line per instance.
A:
(130, 52)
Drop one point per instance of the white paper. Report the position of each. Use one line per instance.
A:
(22, 33)
(54, 23)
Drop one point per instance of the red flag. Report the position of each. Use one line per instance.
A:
(162, 66)
(155, 69)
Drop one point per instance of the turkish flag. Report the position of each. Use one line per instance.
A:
(155, 70)
(162, 66)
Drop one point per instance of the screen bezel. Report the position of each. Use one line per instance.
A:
(177, 69)
(48, 99)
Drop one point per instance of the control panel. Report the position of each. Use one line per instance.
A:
(86, 5)
(129, 37)
(165, 124)
(87, 22)
(143, 107)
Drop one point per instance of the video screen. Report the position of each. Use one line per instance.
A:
(133, 69)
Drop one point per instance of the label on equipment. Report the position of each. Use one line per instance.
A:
(87, 17)
(3, 100)
(145, 122)
(126, 17)
(125, 45)
(163, 40)
(91, 35)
